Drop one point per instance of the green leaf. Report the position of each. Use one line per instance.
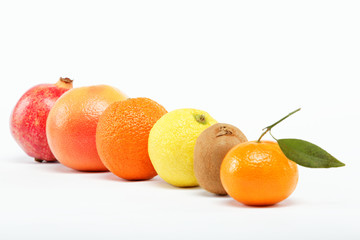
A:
(307, 154)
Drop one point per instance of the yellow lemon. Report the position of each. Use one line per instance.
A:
(172, 142)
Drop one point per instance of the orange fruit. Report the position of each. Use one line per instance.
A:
(71, 125)
(258, 173)
(122, 137)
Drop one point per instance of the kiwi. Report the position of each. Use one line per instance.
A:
(210, 149)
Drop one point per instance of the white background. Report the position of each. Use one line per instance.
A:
(247, 63)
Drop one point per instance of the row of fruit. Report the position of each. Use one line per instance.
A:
(98, 128)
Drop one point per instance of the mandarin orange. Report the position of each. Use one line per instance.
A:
(258, 173)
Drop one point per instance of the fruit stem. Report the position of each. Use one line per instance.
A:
(224, 131)
(38, 160)
(200, 118)
(66, 80)
(262, 135)
(268, 128)
(64, 83)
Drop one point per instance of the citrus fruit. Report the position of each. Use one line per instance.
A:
(71, 125)
(171, 145)
(122, 137)
(258, 173)
(28, 119)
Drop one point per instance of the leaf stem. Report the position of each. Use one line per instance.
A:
(268, 128)
(272, 135)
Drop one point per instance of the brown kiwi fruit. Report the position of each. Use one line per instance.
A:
(210, 149)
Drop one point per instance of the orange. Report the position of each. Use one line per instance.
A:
(258, 173)
(122, 137)
(71, 126)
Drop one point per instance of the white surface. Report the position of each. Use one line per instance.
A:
(246, 63)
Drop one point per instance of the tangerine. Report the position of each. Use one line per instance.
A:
(258, 173)
(71, 125)
(122, 137)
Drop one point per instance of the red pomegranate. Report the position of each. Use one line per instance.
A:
(28, 119)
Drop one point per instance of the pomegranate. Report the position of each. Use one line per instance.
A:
(28, 119)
